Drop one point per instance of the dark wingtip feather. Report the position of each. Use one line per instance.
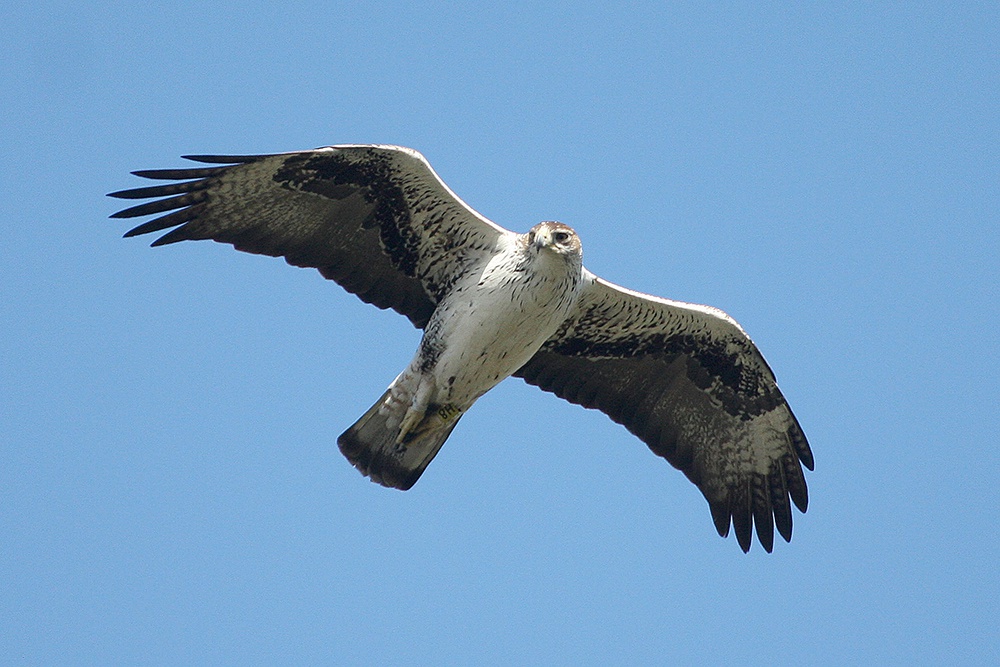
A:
(720, 516)
(744, 536)
(185, 199)
(121, 194)
(179, 174)
(765, 529)
(780, 505)
(783, 521)
(796, 482)
(800, 496)
(173, 236)
(224, 159)
(164, 240)
(740, 506)
(163, 190)
(169, 220)
(805, 454)
(800, 444)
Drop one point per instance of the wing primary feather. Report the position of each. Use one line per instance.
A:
(179, 174)
(163, 222)
(160, 205)
(779, 501)
(763, 517)
(162, 190)
(796, 484)
(740, 504)
(720, 517)
(173, 236)
(800, 444)
(226, 159)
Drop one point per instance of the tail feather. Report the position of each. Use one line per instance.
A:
(371, 446)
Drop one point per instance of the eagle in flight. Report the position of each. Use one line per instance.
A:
(686, 379)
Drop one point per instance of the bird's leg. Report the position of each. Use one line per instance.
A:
(417, 410)
(424, 414)
(436, 417)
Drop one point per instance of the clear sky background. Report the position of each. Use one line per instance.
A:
(170, 487)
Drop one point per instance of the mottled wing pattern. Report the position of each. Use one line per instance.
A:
(375, 219)
(688, 382)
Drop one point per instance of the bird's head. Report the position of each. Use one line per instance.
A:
(555, 237)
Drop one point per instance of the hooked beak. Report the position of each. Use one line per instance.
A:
(539, 239)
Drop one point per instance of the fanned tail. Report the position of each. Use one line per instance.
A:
(372, 446)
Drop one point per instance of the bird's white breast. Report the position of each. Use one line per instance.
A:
(495, 320)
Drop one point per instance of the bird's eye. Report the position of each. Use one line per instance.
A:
(561, 237)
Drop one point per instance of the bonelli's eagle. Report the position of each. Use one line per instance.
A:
(684, 378)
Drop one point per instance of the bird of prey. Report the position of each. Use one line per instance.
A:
(686, 379)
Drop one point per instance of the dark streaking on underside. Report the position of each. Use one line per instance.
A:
(377, 220)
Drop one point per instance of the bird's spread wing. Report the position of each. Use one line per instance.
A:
(689, 382)
(376, 219)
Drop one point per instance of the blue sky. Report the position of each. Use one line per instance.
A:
(170, 487)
